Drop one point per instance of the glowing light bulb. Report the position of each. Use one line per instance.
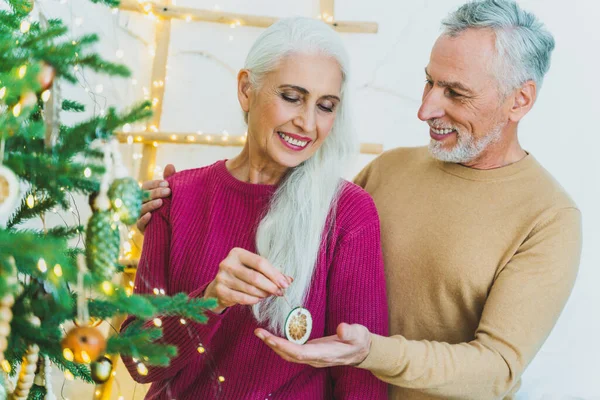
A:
(22, 71)
(87, 172)
(142, 370)
(57, 270)
(45, 95)
(42, 265)
(17, 111)
(68, 354)
(25, 25)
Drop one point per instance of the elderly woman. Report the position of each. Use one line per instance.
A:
(274, 228)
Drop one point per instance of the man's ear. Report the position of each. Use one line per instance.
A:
(524, 98)
(244, 89)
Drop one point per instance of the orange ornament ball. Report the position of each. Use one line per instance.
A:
(83, 344)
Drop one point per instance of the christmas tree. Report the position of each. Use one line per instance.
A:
(48, 279)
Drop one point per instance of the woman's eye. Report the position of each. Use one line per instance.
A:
(326, 107)
(290, 99)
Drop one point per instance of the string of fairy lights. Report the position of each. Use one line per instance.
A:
(99, 100)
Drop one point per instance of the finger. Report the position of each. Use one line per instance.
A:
(149, 185)
(239, 285)
(346, 332)
(255, 279)
(263, 266)
(229, 297)
(142, 222)
(151, 206)
(159, 193)
(352, 333)
(169, 170)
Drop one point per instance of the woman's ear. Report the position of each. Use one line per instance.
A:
(243, 79)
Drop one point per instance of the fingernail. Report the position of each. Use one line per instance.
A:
(279, 292)
(164, 184)
(166, 191)
(290, 279)
(260, 335)
(284, 283)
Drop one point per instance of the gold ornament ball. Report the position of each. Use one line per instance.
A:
(101, 369)
(83, 344)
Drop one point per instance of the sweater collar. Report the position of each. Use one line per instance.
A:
(250, 188)
(487, 174)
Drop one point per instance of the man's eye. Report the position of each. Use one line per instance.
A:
(452, 93)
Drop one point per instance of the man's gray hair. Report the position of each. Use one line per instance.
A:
(523, 44)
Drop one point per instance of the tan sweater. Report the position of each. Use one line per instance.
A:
(479, 265)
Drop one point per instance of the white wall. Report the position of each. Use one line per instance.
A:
(388, 78)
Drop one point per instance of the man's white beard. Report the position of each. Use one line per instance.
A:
(466, 149)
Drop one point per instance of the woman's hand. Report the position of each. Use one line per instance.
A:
(245, 278)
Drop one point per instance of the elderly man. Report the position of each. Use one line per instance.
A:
(481, 245)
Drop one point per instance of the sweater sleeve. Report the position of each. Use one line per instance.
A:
(523, 305)
(357, 295)
(153, 273)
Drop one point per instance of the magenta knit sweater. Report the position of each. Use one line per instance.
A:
(209, 213)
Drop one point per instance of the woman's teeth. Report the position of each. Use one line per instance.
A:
(290, 140)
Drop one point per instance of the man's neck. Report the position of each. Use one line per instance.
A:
(498, 156)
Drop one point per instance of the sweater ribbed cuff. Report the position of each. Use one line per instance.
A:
(379, 359)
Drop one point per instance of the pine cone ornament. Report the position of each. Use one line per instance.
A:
(126, 199)
(27, 374)
(102, 245)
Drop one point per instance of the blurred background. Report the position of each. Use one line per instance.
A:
(387, 81)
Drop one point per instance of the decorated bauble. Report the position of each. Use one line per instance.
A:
(46, 76)
(101, 369)
(83, 345)
(24, 7)
(9, 191)
(126, 199)
(298, 325)
(28, 99)
(102, 245)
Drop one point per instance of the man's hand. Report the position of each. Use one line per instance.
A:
(350, 346)
(157, 190)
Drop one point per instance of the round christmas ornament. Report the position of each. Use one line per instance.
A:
(126, 199)
(124, 193)
(298, 325)
(101, 369)
(9, 190)
(46, 76)
(28, 99)
(102, 244)
(83, 345)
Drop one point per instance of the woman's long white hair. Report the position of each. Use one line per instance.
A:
(291, 232)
